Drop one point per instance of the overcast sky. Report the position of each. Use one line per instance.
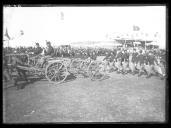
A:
(61, 24)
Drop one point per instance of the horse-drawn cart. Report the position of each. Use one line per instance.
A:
(56, 70)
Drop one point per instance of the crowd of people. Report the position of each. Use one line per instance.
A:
(123, 60)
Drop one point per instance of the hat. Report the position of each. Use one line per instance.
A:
(47, 42)
(37, 43)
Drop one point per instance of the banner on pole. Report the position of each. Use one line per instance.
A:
(7, 35)
(136, 28)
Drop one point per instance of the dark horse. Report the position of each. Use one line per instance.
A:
(19, 73)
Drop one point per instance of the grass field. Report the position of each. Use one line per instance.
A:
(120, 98)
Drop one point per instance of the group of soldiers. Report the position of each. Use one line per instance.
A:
(122, 60)
(138, 61)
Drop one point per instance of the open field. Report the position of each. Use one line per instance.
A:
(120, 98)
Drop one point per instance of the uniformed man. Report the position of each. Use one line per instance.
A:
(107, 56)
(160, 68)
(93, 56)
(131, 64)
(140, 64)
(38, 49)
(49, 51)
(72, 53)
(118, 61)
(107, 60)
(134, 61)
(85, 56)
(147, 65)
(60, 52)
(125, 62)
(77, 54)
(113, 59)
(65, 54)
(57, 53)
(112, 62)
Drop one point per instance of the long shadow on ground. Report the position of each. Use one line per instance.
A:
(70, 78)
(22, 84)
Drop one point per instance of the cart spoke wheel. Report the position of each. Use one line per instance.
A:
(56, 72)
(75, 63)
(53, 77)
(97, 70)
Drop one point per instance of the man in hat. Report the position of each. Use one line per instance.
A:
(134, 61)
(112, 62)
(85, 55)
(107, 56)
(119, 61)
(131, 64)
(107, 60)
(140, 64)
(38, 49)
(72, 53)
(93, 55)
(159, 68)
(49, 51)
(150, 64)
(125, 62)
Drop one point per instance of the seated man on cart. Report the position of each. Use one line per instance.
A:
(36, 53)
(48, 53)
(38, 50)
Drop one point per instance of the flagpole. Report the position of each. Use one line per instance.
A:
(8, 46)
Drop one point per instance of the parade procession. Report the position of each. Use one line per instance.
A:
(84, 64)
(125, 59)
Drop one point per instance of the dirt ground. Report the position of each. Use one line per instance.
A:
(120, 98)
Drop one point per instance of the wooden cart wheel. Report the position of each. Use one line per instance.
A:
(97, 70)
(75, 66)
(56, 72)
(84, 67)
(45, 64)
(31, 62)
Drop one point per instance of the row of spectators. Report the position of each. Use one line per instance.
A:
(68, 51)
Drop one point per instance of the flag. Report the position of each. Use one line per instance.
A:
(136, 28)
(62, 16)
(156, 34)
(7, 35)
(21, 32)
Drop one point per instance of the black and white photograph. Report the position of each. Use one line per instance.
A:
(84, 64)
